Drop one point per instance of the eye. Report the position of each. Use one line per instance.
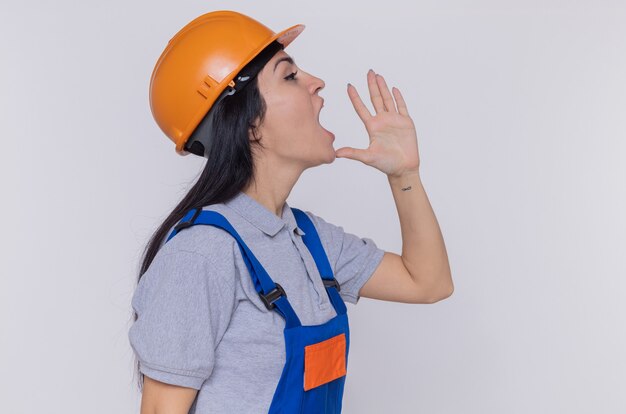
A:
(291, 76)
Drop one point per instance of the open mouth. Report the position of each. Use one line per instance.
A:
(330, 134)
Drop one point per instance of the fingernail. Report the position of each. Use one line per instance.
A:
(348, 84)
(371, 71)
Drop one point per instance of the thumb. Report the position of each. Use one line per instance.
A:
(352, 153)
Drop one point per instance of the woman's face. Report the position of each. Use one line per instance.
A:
(291, 131)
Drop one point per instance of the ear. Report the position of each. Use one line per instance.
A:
(254, 133)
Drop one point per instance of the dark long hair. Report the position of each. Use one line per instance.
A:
(228, 169)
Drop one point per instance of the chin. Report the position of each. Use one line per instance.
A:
(332, 156)
(329, 158)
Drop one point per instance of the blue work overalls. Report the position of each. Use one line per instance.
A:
(312, 380)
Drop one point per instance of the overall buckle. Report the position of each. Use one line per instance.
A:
(332, 282)
(185, 224)
(272, 296)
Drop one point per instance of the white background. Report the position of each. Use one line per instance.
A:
(520, 110)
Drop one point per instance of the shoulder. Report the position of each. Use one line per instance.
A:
(330, 234)
(205, 240)
(196, 255)
(353, 258)
(201, 239)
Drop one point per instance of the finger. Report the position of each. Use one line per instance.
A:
(384, 91)
(377, 99)
(356, 154)
(358, 104)
(402, 109)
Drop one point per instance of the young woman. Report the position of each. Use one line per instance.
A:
(239, 306)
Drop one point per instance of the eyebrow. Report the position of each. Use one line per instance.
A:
(284, 59)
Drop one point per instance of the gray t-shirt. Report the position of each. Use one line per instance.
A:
(201, 323)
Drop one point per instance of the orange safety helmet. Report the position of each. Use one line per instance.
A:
(200, 62)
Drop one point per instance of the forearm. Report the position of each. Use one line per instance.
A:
(423, 248)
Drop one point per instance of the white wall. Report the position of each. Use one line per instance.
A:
(520, 110)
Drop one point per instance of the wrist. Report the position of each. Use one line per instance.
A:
(403, 176)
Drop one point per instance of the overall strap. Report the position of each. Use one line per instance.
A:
(272, 294)
(313, 243)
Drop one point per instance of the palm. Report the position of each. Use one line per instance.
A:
(392, 136)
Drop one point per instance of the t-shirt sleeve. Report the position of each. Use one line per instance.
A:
(352, 258)
(184, 302)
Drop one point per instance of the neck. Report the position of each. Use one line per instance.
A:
(272, 184)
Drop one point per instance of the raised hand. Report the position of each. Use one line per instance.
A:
(392, 137)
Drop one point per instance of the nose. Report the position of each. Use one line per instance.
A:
(317, 84)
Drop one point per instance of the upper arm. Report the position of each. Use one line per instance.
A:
(392, 281)
(364, 269)
(159, 397)
(184, 302)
